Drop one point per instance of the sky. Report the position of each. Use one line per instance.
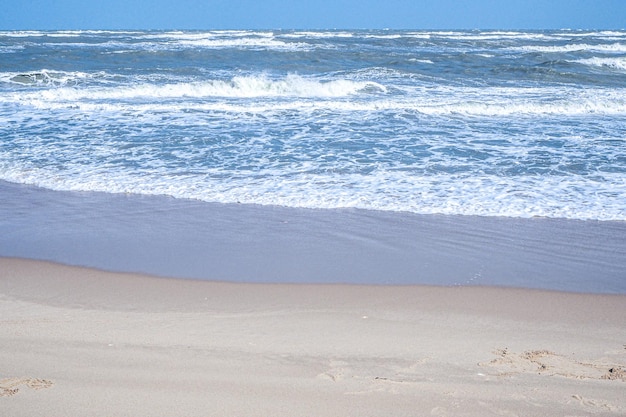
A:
(313, 14)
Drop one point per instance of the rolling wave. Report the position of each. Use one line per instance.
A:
(297, 93)
(237, 87)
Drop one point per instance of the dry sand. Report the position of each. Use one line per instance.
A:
(81, 342)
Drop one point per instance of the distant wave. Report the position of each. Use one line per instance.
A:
(158, 41)
(63, 33)
(243, 43)
(605, 48)
(596, 34)
(378, 34)
(319, 35)
(225, 34)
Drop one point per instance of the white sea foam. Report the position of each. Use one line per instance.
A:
(574, 198)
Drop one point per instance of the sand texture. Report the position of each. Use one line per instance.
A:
(81, 342)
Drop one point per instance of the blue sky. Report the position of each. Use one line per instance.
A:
(313, 14)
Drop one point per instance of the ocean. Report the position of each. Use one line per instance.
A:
(488, 123)
(292, 139)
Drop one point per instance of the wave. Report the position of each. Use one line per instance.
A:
(157, 41)
(356, 34)
(200, 43)
(181, 35)
(578, 47)
(22, 33)
(612, 34)
(294, 93)
(489, 104)
(63, 33)
(424, 35)
(618, 63)
(49, 78)
(318, 35)
(422, 61)
(493, 35)
(502, 109)
(11, 49)
(237, 87)
(299, 34)
(343, 91)
(225, 39)
(247, 43)
(532, 35)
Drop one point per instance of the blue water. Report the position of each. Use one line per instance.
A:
(511, 124)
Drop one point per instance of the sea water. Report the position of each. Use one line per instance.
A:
(488, 123)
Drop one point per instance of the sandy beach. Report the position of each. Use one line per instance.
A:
(312, 223)
(78, 341)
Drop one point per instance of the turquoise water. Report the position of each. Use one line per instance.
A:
(506, 124)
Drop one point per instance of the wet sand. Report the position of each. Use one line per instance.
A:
(242, 243)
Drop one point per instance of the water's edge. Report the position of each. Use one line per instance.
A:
(243, 243)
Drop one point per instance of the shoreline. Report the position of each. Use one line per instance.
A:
(80, 341)
(241, 243)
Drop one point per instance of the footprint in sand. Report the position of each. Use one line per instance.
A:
(10, 386)
(545, 362)
(586, 402)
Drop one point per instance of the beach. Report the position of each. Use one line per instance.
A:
(312, 223)
(79, 341)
